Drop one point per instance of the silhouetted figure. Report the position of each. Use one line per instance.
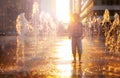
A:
(76, 36)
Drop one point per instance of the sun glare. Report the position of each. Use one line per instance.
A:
(63, 10)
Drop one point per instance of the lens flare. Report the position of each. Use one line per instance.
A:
(63, 10)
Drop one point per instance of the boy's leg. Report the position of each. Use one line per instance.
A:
(74, 45)
(74, 56)
(79, 46)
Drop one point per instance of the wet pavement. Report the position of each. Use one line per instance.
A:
(52, 58)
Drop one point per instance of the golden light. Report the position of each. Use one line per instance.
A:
(35, 7)
(64, 54)
(64, 69)
(63, 10)
(64, 50)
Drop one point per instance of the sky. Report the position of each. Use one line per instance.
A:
(48, 6)
(58, 8)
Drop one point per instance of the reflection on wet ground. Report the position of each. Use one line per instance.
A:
(7, 50)
(53, 59)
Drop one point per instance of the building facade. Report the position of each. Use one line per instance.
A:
(9, 10)
(97, 7)
(75, 6)
(86, 9)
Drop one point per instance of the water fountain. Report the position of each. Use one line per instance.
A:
(48, 25)
(29, 32)
(99, 27)
(117, 49)
(90, 27)
(113, 35)
(36, 24)
(118, 42)
(106, 24)
(112, 41)
(87, 28)
(24, 30)
(114, 45)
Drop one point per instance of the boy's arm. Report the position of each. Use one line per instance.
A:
(69, 31)
(82, 30)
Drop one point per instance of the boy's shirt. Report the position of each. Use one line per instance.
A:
(76, 30)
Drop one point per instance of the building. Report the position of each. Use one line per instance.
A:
(86, 9)
(75, 6)
(9, 10)
(96, 8)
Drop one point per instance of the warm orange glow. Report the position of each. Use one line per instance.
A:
(64, 51)
(63, 10)
(64, 69)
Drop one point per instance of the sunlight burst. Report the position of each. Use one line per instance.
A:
(63, 10)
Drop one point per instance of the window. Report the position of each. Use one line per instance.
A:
(101, 12)
(109, 2)
(97, 2)
(117, 2)
(103, 2)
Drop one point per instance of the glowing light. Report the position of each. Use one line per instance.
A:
(35, 7)
(65, 69)
(63, 10)
(64, 51)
